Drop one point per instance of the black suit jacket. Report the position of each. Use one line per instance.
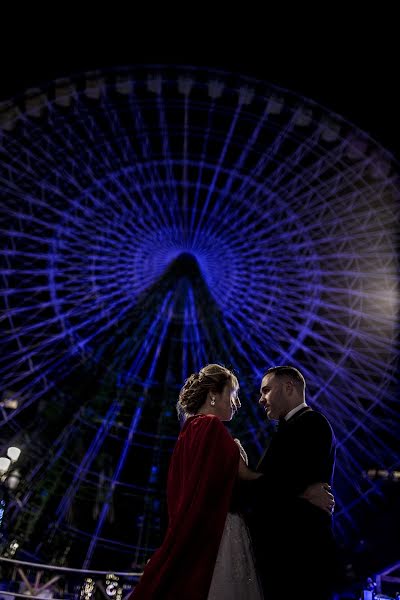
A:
(289, 534)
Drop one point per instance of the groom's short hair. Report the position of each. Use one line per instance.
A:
(292, 373)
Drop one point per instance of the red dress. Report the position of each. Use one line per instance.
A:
(202, 473)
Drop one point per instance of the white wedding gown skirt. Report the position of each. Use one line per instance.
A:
(235, 576)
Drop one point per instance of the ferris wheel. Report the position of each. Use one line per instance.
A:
(155, 219)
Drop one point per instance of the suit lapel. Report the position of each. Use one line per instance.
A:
(289, 423)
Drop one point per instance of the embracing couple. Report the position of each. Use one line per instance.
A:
(240, 534)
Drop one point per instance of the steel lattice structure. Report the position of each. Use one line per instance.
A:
(158, 218)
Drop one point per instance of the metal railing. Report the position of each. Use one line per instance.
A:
(50, 582)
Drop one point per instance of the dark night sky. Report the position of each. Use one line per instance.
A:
(349, 65)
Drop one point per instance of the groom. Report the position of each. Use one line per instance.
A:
(292, 538)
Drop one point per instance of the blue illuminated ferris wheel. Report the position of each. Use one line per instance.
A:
(158, 218)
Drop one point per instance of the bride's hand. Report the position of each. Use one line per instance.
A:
(243, 471)
(319, 494)
(242, 451)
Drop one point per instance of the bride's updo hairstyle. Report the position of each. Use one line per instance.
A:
(211, 378)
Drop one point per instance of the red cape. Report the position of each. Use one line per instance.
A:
(202, 473)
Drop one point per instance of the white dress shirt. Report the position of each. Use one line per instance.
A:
(295, 410)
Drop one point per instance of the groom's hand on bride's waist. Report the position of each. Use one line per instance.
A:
(319, 494)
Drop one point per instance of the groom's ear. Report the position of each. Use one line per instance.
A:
(289, 387)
